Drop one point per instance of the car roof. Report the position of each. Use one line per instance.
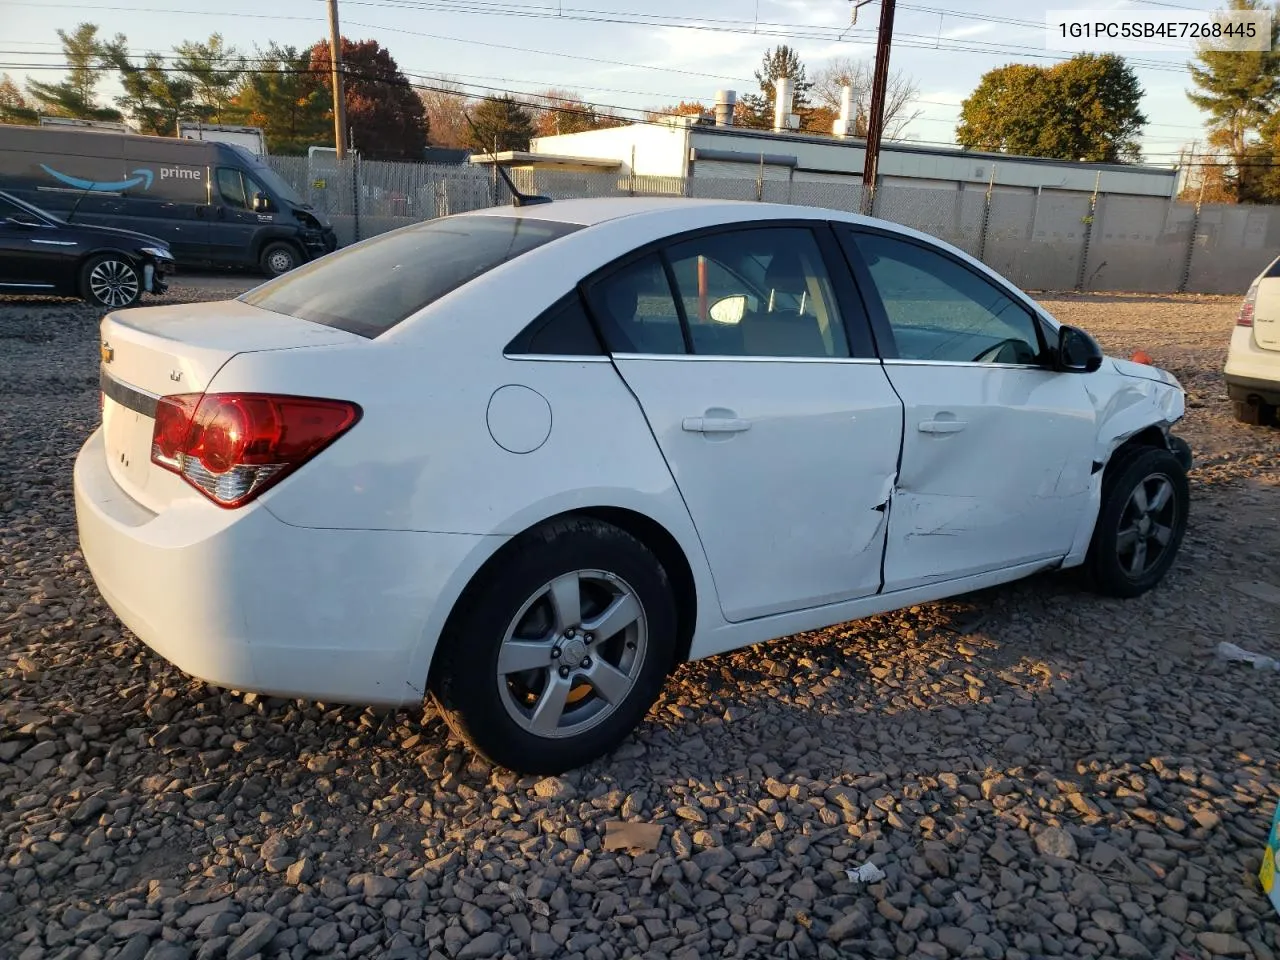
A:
(596, 210)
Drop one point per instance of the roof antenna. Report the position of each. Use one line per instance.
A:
(518, 199)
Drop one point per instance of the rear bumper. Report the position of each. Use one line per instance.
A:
(242, 600)
(1251, 372)
(1246, 389)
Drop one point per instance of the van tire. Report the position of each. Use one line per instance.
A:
(278, 258)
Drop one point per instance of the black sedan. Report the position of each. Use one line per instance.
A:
(43, 254)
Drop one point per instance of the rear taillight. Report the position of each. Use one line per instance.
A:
(233, 446)
(1245, 317)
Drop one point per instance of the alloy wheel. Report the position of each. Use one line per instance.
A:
(572, 654)
(1146, 525)
(114, 283)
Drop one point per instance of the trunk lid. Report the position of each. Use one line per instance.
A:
(1266, 312)
(151, 352)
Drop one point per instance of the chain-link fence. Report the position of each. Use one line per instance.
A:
(1041, 239)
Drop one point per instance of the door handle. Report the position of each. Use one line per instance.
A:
(942, 426)
(715, 425)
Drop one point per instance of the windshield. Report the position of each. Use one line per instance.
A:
(371, 287)
(276, 184)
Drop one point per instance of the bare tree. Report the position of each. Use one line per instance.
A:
(446, 107)
(902, 90)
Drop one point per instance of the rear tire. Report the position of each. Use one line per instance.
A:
(1141, 522)
(111, 280)
(278, 258)
(559, 652)
(1254, 412)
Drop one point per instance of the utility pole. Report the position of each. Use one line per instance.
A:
(875, 124)
(339, 97)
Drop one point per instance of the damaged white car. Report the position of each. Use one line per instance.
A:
(528, 460)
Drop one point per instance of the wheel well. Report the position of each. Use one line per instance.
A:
(649, 532)
(1150, 438)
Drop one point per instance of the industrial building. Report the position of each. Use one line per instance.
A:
(712, 147)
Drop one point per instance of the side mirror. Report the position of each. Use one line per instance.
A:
(729, 309)
(1077, 351)
(261, 204)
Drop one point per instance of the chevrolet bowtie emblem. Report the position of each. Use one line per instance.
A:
(108, 354)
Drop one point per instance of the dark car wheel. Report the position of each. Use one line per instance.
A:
(1141, 522)
(560, 651)
(278, 258)
(111, 280)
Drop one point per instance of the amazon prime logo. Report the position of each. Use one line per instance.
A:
(141, 176)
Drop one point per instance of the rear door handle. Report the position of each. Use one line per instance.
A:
(942, 426)
(715, 425)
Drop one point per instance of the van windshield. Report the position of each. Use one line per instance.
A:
(371, 287)
(276, 184)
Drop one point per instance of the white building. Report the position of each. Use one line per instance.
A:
(694, 148)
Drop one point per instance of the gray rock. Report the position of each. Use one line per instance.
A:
(324, 938)
(254, 938)
(483, 947)
(1056, 842)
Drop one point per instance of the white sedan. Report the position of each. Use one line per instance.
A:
(528, 460)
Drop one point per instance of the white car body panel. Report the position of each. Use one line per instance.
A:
(1005, 487)
(1253, 357)
(461, 448)
(790, 508)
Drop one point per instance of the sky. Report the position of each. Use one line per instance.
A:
(614, 56)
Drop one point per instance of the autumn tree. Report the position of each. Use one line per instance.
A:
(13, 105)
(215, 71)
(685, 108)
(76, 96)
(287, 100)
(557, 111)
(445, 106)
(1239, 91)
(502, 123)
(782, 61)
(900, 91)
(1085, 108)
(386, 117)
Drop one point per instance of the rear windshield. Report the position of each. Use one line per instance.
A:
(369, 288)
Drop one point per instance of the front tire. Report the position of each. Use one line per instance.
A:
(111, 280)
(561, 649)
(278, 258)
(1141, 522)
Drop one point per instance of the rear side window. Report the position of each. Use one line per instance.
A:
(370, 288)
(636, 310)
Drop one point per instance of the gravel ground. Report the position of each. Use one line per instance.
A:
(1036, 771)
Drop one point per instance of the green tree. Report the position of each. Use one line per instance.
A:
(215, 71)
(13, 105)
(385, 114)
(502, 121)
(1239, 92)
(156, 95)
(756, 109)
(1085, 108)
(76, 96)
(285, 97)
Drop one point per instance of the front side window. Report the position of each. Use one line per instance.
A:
(251, 189)
(758, 293)
(371, 287)
(940, 310)
(231, 186)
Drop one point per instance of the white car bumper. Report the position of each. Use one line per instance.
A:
(242, 600)
(1251, 371)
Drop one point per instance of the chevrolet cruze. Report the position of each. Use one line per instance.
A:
(528, 460)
